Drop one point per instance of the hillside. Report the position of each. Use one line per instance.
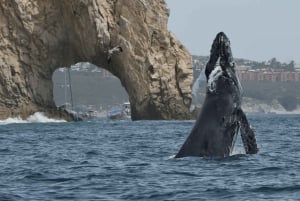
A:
(286, 93)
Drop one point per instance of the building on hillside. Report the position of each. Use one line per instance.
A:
(269, 75)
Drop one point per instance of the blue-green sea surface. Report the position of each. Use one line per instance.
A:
(125, 160)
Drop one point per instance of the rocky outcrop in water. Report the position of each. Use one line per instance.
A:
(37, 37)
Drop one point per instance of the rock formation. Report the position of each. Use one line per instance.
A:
(39, 36)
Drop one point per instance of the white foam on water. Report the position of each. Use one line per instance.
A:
(171, 157)
(15, 120)
(38, 117)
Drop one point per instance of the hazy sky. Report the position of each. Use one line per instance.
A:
(258, 29)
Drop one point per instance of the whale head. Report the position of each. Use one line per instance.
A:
(221, 64)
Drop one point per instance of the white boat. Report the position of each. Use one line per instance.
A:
(120, 113)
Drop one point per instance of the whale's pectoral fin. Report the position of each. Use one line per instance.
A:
(247, 134)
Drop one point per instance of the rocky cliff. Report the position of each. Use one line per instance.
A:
(39, 36)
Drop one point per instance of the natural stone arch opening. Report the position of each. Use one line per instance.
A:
(37, 37)
(87, 89)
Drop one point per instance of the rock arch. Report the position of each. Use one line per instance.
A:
(38, 37)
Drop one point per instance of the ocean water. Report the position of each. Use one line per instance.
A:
(125, 160)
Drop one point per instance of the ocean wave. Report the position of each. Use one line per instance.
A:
(38, 117)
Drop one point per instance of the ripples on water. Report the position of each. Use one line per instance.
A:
(124, 160)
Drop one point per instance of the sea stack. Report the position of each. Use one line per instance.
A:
(38, 37)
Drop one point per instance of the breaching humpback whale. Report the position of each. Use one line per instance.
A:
(221, 117)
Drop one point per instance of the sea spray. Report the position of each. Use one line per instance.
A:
(238, 146)
(15, 120)
(38, 117)
(196, 88)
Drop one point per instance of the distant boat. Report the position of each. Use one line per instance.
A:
(120, 113)
(89, 115)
